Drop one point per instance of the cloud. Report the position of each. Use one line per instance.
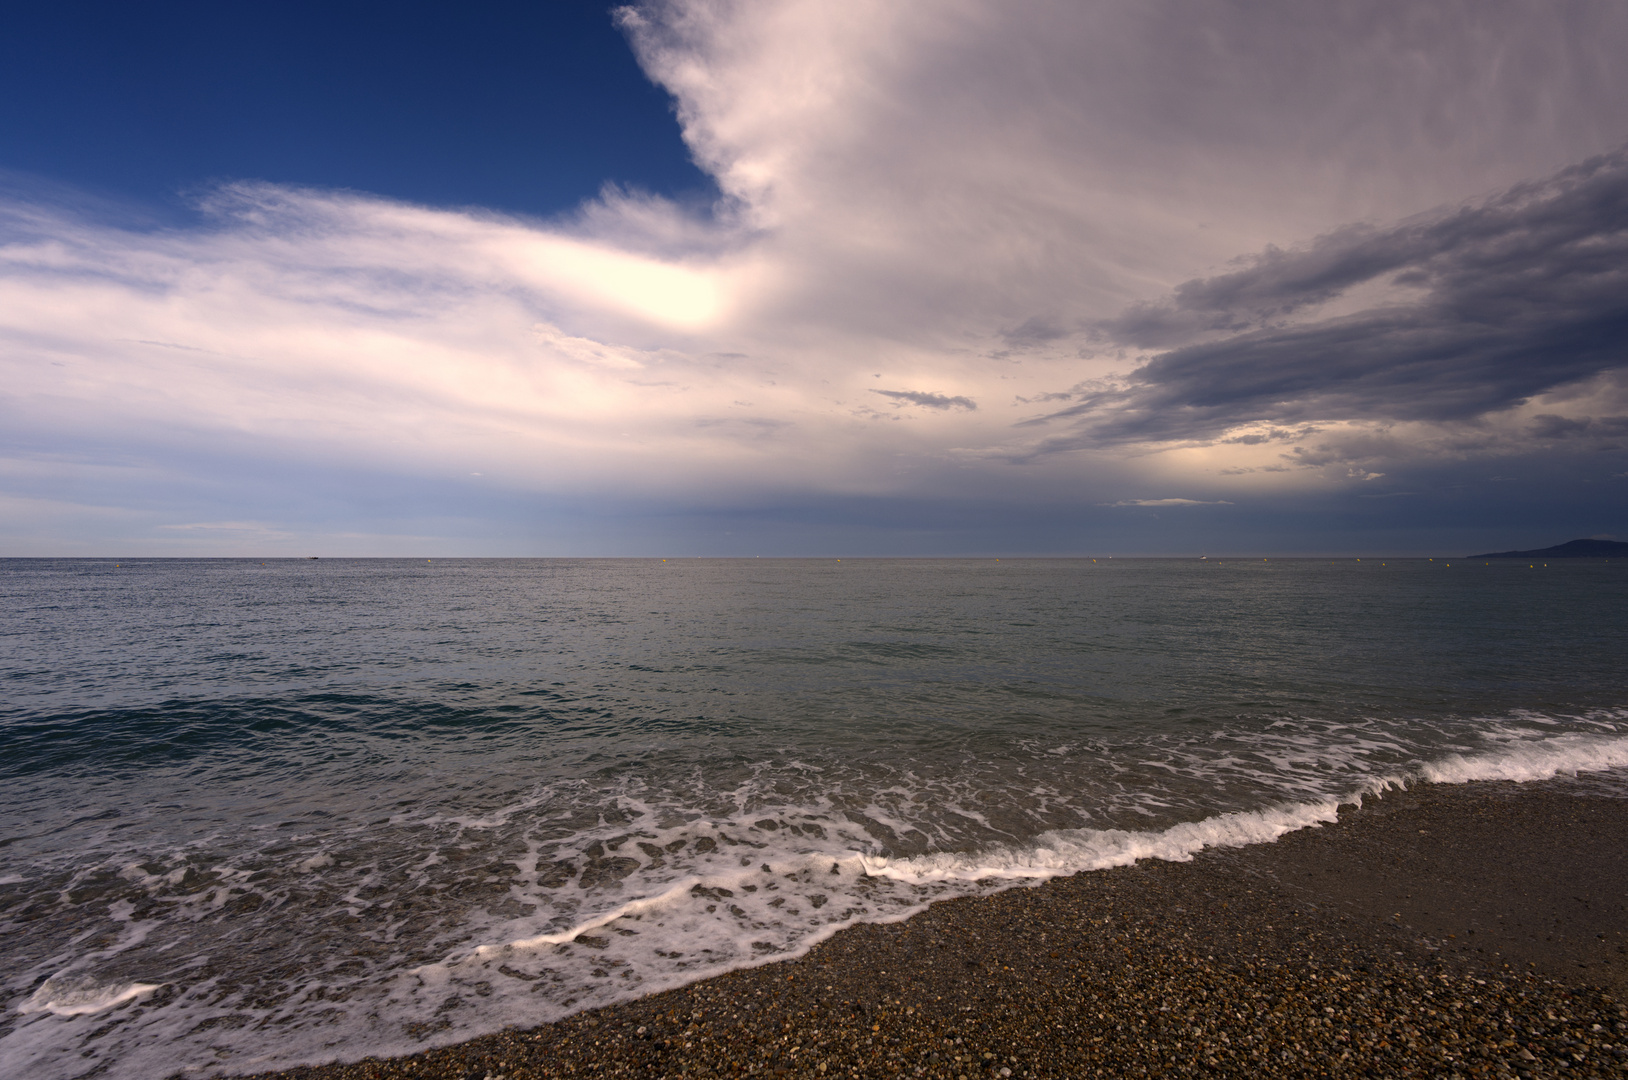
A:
(219, 526)
(1517, 296)
(928, 401)
(1001, 201)
(1552, 426)
(1169, 502)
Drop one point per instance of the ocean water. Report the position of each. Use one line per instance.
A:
(255, 814)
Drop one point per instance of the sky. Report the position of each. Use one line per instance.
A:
(789, 277)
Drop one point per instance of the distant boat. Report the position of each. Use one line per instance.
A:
(1571, 549)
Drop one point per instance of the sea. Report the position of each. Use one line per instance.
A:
(260, 813)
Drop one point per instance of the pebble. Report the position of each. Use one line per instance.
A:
(1213, 968)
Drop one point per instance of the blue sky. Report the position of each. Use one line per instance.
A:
(786, 277)
(527, 107)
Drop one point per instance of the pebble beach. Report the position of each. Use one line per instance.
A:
(1467, 930)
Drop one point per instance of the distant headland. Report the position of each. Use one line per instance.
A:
(1571, 549)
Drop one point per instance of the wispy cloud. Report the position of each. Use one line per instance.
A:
(221, 526)
(928, 400)
(1169, 502)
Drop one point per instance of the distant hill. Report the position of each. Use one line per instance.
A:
(1571, 549)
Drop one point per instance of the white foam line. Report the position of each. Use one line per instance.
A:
(1072, 851)
(677, 891)
(632, 907)
(76, 996)
(1525, 761)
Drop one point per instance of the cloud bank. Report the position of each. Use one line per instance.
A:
(1039, 255)
(1493, 305)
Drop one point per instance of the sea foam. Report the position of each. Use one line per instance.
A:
(639, 898)
(70, 994)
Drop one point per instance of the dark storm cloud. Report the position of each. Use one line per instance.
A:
(928, 401)
(1551, 426)
(1519, 295)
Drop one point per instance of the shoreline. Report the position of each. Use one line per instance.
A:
(1479, 929)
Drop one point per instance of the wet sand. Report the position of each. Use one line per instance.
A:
(1465, 930)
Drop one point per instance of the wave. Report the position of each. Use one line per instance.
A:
(706, 924)
(627, 899)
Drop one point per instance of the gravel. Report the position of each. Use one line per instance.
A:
(1475, 930)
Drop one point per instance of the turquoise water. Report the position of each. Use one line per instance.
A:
(262, 813)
